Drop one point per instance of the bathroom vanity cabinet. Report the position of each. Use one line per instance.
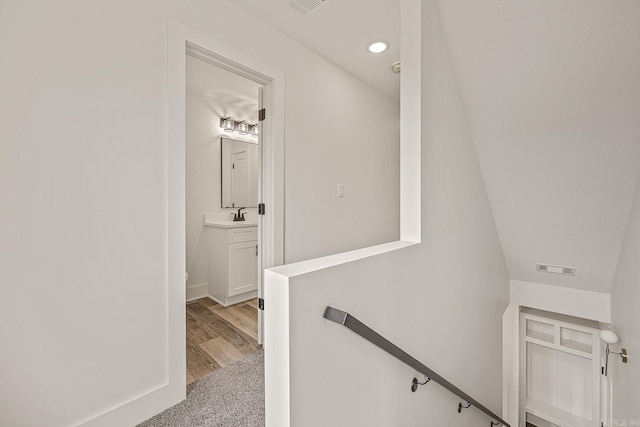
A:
(232, 261)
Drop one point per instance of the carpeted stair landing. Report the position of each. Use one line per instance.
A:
(232, 396)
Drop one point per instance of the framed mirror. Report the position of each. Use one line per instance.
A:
(239, 173)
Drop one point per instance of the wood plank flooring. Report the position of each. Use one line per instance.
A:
(218, 336)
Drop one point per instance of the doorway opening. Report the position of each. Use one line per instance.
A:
(222, 162)
(267, 230)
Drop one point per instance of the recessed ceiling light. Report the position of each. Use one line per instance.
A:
(378, 46)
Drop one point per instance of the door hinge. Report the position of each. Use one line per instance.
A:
(261, 304)
(262, 114)
(260, 208)
(233, 166)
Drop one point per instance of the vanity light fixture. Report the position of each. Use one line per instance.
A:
(242, 127)
(377, 46)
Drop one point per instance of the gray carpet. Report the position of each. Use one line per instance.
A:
(232, 396)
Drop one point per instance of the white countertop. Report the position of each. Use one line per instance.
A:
(225, 220)
(230, 224)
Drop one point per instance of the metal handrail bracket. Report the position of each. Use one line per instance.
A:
(350, 322)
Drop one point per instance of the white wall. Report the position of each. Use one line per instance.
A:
(211, 93)
(573, 302)
(625, 299)
(442, 300)
(324, 150)
(83, 182)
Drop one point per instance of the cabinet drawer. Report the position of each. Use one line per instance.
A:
(244, 234)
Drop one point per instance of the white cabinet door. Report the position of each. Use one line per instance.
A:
(242, 259)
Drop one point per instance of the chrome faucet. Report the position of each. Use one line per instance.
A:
(239, 216)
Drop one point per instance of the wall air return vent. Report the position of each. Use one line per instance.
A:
(305, 7)
(556, 269)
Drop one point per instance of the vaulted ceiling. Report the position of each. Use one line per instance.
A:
(552, 95)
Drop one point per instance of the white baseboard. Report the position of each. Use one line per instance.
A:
(236, 298)
(139, 408)
(197, 291)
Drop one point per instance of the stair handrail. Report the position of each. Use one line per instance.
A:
(353, 324)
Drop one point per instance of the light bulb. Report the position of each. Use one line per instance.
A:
(243, 128)
(228, 125)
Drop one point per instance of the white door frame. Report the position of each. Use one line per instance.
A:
(271, 225)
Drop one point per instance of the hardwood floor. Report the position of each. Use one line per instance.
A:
(218, 336)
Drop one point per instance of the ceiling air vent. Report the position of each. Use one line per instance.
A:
(556, 269)
(305, 7)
